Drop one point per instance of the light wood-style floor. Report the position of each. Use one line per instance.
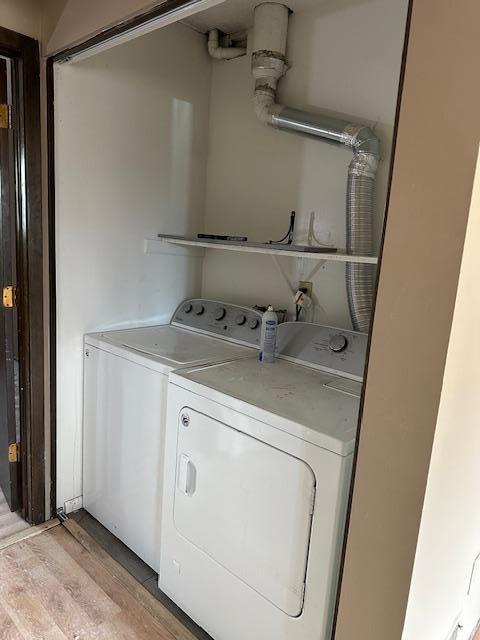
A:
(10, 523)
(51, 588)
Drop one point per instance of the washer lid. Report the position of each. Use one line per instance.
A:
(174, 346)
(308, 403)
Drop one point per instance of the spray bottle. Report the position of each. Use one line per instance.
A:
(269, 336)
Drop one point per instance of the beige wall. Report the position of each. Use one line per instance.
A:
(23, 16)
(83, 18)
(52, 10)
(449, 539)
(431, 190)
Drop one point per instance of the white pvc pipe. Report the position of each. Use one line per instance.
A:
(271, 28)
(270, 33)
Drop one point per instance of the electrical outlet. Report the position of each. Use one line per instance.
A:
(306, 287)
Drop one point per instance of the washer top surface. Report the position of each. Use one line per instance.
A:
(316, 406)
(201, 331)
(169, 346)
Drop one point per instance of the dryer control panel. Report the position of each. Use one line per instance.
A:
(220, 319)
(337, 350)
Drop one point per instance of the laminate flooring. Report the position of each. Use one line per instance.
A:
(10, 523)
(52, 588)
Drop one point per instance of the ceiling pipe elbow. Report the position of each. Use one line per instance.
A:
(222, 53)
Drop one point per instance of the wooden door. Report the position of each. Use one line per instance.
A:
(10, 477)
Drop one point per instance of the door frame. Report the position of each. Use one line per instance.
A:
(24, 52)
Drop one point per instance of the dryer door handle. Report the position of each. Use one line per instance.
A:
(186, 475)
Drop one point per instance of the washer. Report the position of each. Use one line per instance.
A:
(125, 386)
(257, 474)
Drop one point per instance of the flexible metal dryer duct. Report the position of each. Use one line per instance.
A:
(268, 66)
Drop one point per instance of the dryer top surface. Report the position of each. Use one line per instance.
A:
(316, 406)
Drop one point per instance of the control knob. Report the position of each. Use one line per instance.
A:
(187, 308)
(219, 313)
(240, 320)
(338, 343)
(253, 323)
(199, 309)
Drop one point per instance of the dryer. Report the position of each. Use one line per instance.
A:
(125, 389)
(257, 476)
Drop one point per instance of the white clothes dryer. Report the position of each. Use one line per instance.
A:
(125, 389)
(257, 475)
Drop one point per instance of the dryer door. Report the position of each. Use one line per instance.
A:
(247, 505)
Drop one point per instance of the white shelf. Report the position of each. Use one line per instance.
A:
(242, 248)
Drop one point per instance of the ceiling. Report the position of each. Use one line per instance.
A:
(237, 15)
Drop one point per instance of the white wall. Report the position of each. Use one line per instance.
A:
(130, 163)
(449, 538)
(345, 58)
(145, 105)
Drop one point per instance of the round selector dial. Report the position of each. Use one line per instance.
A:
(253, 323)
(338, 343)
(219, 313)
(240, 319)
(199, 309)
(187, 308)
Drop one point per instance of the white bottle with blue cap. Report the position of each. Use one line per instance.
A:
(268, 338)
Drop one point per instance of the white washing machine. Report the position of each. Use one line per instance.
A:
(125, 389)
(257, 475)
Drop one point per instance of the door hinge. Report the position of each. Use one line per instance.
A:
(6, 119)
(9, 297)
(14, 452)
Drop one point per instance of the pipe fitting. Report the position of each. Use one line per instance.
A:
(222, 53)
(362, 139)
(267, 71)
(265, 106)
(363, 164)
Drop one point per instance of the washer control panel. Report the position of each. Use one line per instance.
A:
(220, 319)
(340, 351)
